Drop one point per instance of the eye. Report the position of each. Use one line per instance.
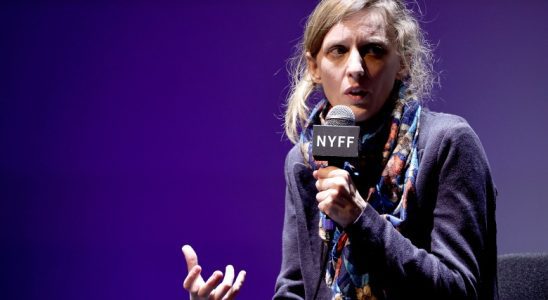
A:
(337, 50)
(373, 49)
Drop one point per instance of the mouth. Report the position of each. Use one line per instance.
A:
(355, 93)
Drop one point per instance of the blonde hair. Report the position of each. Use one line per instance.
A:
(414, 50)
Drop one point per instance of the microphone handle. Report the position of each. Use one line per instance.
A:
(327, 223)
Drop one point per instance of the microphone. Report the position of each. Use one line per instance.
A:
(335, 142)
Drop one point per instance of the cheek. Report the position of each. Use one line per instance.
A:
(330, 75)
(331, 78)
(374, 66)
(378, 68)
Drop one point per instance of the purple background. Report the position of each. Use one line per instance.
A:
(131, 128)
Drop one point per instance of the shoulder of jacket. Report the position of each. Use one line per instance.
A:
(294, 156)
(436, 127)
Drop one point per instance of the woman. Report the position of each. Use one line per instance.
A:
(415, 215)
(416, 219)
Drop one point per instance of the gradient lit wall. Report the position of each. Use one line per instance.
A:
(128, 129)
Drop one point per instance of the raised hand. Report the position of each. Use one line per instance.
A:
(213, 288)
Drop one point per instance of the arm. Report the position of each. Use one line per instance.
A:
(459, 251)
(289, 284)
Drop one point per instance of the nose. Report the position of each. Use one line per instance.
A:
(355, 65)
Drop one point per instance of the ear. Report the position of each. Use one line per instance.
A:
(313, 68)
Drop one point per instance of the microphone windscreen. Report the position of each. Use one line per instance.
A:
(340, 115)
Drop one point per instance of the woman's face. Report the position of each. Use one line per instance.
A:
(357, 64)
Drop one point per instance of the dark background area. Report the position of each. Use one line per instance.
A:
(128, 129)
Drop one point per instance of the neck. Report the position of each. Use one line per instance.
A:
(373, 124)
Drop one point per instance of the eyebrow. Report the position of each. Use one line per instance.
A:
(377, 40)
(368, 40)
(333, 42)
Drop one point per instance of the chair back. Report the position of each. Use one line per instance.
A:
(523, 276)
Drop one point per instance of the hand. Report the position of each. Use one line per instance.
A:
(337, 195)
(210, 289)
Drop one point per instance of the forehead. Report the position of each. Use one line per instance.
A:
(366, 24)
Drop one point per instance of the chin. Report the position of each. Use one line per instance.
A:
(360, 114)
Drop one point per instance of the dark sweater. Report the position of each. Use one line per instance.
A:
(447, 245)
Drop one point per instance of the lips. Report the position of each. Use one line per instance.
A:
(355, 93)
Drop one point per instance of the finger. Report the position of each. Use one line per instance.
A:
(190, 257)
(319, 184)
(225, 286)
(322, 206)
(338, 183)
(190, 279)
(329, 203)
(326, 205)
(327, 195)
(229, 275)
(210, 284)
(236, 286)
(329, 172)
(322, 196)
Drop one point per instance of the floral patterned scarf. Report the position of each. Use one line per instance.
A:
(388, 154)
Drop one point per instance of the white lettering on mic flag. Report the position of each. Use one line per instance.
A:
(340, 141)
